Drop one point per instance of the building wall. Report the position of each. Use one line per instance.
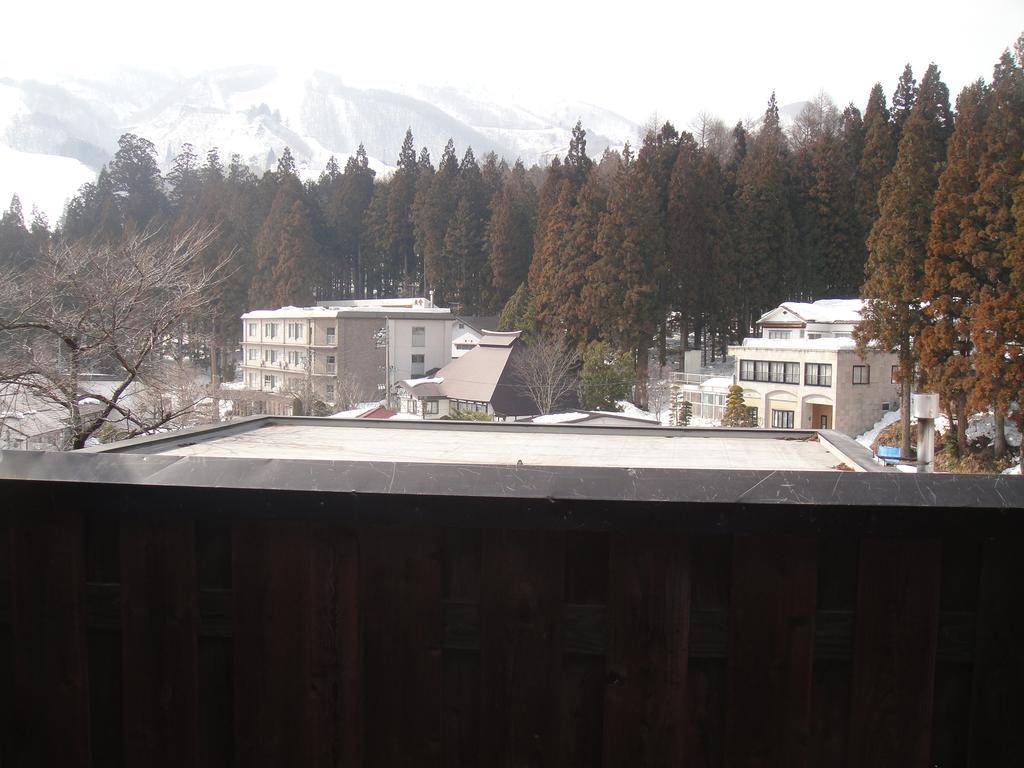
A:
(862, 403)
(436, 349)
(855, 408)
(307, 358)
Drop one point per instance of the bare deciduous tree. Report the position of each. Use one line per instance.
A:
(86, 308)
(546, 371)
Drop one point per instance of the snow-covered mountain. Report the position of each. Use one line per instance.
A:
(56, 135)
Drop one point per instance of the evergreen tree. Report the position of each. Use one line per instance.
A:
(404, 268)
(951, 283)
(433, 210)
(903, 99)
(765, 223)
(892, 315)
(464, 242)
(135, 180)
(736, 414)
(511, 232)
(519, 314)
(605, 378)
(625, 282)
(17, 249)
(184, 179)
(995, 231)
(876, 162)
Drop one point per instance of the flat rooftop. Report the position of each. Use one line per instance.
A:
(509, 445)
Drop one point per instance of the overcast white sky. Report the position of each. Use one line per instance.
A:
(636, 58)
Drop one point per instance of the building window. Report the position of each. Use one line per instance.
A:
(330, 392)
(417, 365)
(295, 357)
(330, 334)
(894, 375)
(862, 374)
(752, 410)
(270, 330)
(294, 330)
(332, 365)
(270, 355)
(464, 346)
(782, 419)
(774, 334)
(269, 381)
(419, 336)
(253, 353)
(770, 370)
(253, 328)
(430, 406)
(818, 375)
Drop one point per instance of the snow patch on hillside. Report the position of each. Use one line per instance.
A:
(44, 181)
(869, 437)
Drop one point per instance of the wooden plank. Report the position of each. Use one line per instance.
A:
(583, 665)
(894, 658)
(159, 630)
(460, 715)
(521, 648)
(402, 631)
(216, 702)
(51, 674)
(648, 648)
(7, 710)
(771, 651)
(295, 637)
(710, 580)
(997, 709)
(836, 599)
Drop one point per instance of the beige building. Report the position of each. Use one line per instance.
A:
(804, 371)
(344, 350)
(815, 383)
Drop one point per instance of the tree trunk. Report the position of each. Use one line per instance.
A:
(215, 383)
(907, 379)
(999, 442)
(74, 411)
(641, 378)
(960, 413)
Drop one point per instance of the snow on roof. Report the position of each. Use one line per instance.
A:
(827, 344)
(558, 418)
(717, 382)
(823, 310)
(337, 311)
(291, 312)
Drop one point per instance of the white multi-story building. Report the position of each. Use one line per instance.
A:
(804, 371)
(364, 346)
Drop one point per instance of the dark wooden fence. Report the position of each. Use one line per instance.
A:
(179, 626)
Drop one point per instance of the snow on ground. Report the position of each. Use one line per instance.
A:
(352, 413)
(869, 437)
(557, 418)
(983, 425)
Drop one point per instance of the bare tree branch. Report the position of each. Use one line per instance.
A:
(546, 371)
(110, 309)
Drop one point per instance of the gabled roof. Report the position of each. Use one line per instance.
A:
(484, 374)
(821, 311)
(499, 338)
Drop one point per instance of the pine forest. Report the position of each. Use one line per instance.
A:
(913, 201)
